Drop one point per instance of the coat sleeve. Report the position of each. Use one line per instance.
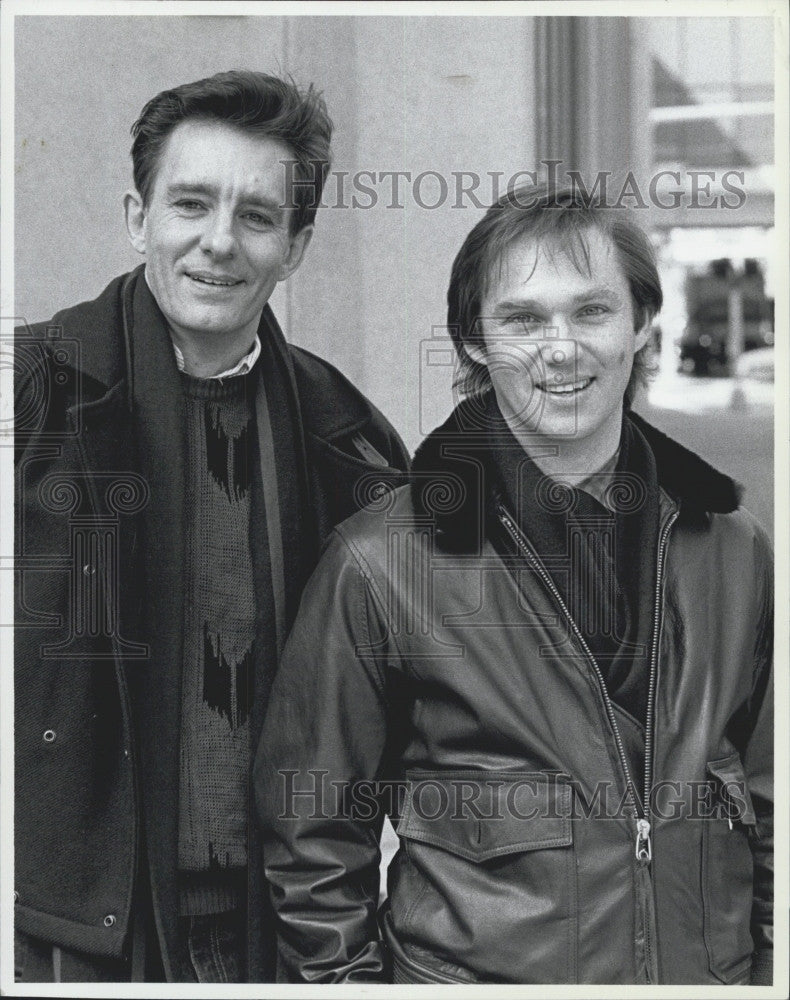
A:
(758, 763)
(322, 747)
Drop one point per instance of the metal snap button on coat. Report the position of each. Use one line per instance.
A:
(49, 736)
(16, 896)
(109, 920)
(88, 570)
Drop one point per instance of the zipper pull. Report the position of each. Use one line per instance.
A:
(644, 847)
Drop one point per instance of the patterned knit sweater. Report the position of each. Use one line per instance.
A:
(219, 629)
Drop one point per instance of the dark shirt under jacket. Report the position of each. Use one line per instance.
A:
(601, 557)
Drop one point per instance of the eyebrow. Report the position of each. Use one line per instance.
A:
(174, 190)
(512, 305)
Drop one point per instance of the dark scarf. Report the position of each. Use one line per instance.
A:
(602, 561)
(159, 423)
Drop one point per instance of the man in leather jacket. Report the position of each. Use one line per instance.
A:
(548, 658)
(178, 465)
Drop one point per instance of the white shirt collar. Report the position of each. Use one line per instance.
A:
(240, 368)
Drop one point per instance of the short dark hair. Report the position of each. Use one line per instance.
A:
(562, 216)
(256, 102)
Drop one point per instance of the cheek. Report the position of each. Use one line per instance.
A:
(159, 248)
(171, 237)
(265, 259)
(516, 368)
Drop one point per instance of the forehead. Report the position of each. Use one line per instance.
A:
(199, 152)
(556, 265)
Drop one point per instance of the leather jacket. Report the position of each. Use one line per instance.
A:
(529, 852)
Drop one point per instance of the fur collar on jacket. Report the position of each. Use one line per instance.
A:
(449, 475)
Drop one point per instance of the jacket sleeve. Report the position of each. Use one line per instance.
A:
(323, 744)
(758, 763)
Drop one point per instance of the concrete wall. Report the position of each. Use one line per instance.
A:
(406, 94)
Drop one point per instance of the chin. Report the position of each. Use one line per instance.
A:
(212, 325)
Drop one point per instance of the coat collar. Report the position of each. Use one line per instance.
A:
(450, 470)
(688, 477)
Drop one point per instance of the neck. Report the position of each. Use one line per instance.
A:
(207, 357)
(571, 459)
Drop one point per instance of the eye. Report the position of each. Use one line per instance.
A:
(189, 205)
(258, 219)
(525, 320)
(594, 310)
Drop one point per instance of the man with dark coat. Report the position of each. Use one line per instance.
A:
(548, 657)
(178, 466)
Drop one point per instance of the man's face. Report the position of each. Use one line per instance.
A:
(560, 341)
(215, 233)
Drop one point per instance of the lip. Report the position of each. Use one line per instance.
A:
(208, 279)
(567, 389)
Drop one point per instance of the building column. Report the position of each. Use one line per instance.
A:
(592, 82)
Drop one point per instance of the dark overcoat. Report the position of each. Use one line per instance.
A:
(100, 454)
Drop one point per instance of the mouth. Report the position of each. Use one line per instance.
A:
(213, 280)
(566, 388)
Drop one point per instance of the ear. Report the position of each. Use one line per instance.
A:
(642, 335)
(135, 214)
(296, 252)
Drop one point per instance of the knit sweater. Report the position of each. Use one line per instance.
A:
(219, 631)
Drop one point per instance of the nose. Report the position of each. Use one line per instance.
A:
(557, 344)
(218, 237)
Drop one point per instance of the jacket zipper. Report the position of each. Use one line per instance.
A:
(643, 850)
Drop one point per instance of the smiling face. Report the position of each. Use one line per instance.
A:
(559, 345)
(215, 233)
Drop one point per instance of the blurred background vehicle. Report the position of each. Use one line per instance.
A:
(716, 300)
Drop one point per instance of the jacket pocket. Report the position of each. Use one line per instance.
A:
(728, 872)
(487, 865)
